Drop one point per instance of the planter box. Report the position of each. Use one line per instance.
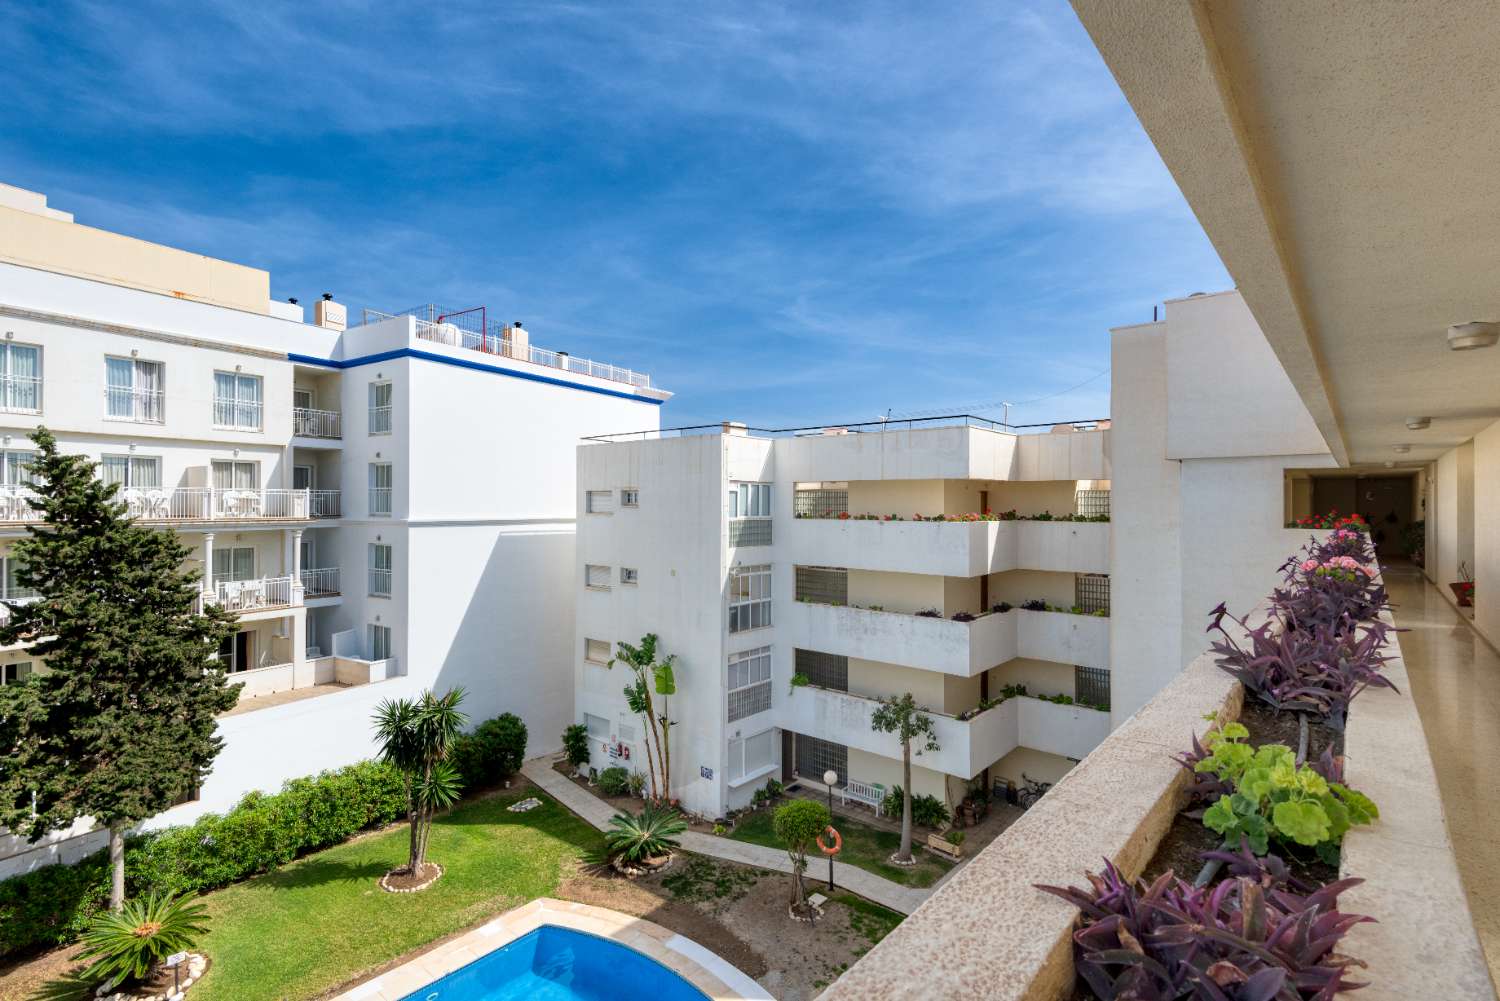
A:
(941, 845)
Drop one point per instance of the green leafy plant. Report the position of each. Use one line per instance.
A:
(1274, 797)
(128, 945)
(492, 753)
(614, 781)
(637, 783)
(797, 826)
(576, 745)
(639, 837)
(954, 836)
(799, 680)
(926, 810)
(415, 736)
(652, 678)
(773, 788)
(720, 830)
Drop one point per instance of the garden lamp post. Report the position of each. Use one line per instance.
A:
(830, 778)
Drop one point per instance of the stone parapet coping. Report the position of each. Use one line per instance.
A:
(706, 971)
(987, 932)
(1423, 943)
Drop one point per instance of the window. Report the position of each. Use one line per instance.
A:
(10, 584)
(380, 407)
(15, 468)
(238, 652)
(823, 585)
(302, 399)
(12, 673)
(380, 642)
(749, 683)
(230, 474)
(752, 755)
(133, 390)
(826, 670)
(596, 576)
(380, 570)
(596, 651)
(749, 500)
(1091, 592)
(815, 756)
(1091, 685)
(630, 575)
(20, 378)
(820, 500)
(630, 497)
(237, 401)
(380, 489)
(131, 472)
(234, 563)
(598, 726)
(599, 502)
(749, 598)
(1092, 502)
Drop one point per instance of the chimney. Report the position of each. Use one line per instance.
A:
(330, 314)
(520, 342)
(736, 428)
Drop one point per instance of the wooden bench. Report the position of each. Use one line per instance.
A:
(871, 794)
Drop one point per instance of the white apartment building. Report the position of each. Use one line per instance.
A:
(733, 547)
(387, 506)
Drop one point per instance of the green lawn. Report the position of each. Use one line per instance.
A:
(321, 921)
(864, 846)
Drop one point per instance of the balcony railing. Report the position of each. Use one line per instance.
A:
(380, 502)
(181, 504)
(20, 394)
(380, 420)
(320, 583)
(324, 504)
(249, 595)
(380, 583)
(141, 406)
(237, 415)
(309, 423)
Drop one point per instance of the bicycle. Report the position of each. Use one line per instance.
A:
(1030, 791)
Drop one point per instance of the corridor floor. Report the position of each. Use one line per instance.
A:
(1455, 682)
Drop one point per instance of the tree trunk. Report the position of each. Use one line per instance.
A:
(905, 853)
(653, 735)
(116, 868)
(666, 749)
(799, 863)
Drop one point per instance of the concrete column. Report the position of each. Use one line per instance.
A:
(297, 554)
(208, 561)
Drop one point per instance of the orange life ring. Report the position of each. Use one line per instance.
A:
(838, 842)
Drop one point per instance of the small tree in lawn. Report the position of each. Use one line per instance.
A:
(415, 735)
(797, 826)
(648, 676)
(900, 714)
(122, 724)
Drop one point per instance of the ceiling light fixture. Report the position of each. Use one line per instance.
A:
(1474, 334)
(1403, 449)
(1389, 464)
(1418, 423)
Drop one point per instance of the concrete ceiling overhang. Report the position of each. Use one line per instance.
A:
(1344, 159)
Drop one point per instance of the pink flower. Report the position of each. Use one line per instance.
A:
(1309, 564)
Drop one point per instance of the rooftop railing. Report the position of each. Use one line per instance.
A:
(858, 427)
(470, 329)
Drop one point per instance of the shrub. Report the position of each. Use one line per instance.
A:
(637, 784)
(649, 834)
(55, 904)
(1034, 605)
(926, 810)
(773, 788)
(492, 753)
(930, 613)
(614, 781)
(127, 947)
(576, 745)
(964, 616)
(1003, 607)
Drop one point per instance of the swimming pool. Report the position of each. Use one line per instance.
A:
(553, 963)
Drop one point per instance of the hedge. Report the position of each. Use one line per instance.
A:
(52, 905)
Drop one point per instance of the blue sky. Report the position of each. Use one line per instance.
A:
(787, 213)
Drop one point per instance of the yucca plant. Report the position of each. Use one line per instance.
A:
(127, 945)
(653, 832)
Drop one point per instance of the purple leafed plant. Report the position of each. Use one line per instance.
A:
(1245, 939)
(1206, 786)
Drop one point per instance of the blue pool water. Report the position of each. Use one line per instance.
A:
(560, 964)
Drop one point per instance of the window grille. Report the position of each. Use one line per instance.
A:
(749, 683)
(821, 502)
(600, 502)
(815, 756)
(1091, 685)
(749, 598)
(237, 401)
(1091, 592)
(1092, 503)
(750, 532)
(630, 497)
(380, 566)
(380, 407)
(630, 575)
(826, 670)
(823, 585)
(595, 575)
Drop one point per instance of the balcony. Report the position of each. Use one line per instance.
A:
(310, 423)
(966, 747)
(254, 595)
(951, 548)
(321, 583)
(324, 504)
(183, 504)
(964, 649)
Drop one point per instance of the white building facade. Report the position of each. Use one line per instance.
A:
(759, 558)
(387, 506)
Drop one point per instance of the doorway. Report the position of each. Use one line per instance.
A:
(1387, 503)
(238, 651)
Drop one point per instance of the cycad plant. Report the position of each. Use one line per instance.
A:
(128, 945)
(415, 736)
(635, 838)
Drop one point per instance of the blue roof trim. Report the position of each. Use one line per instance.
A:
(463, 363)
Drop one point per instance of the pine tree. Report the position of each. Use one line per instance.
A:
(121, 724)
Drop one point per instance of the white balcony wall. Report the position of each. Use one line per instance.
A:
(947, 453)
(1070, 731)
(1062, 637)
(949, 548)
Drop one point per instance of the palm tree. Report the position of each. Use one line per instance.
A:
(649, 674)
(901, 715)
(415, 736)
